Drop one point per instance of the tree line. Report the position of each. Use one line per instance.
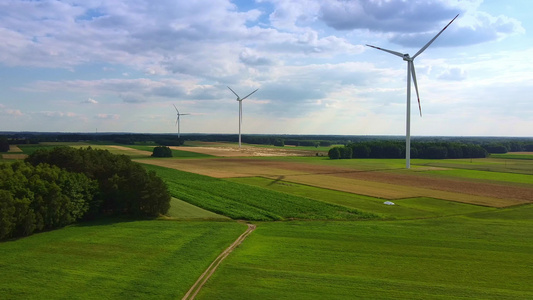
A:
(491, 144)
(54, 188)
(396, 149)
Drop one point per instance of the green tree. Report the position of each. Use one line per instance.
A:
(360, 151)
(122, 183)
(41, 197)
(279, 142)
(4, 144)
(334, 153)
(162, 151)
(435, 152)
(345, 152)
(7, 214)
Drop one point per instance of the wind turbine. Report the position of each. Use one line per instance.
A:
(178, 119)
(240, 110)
(411, 69)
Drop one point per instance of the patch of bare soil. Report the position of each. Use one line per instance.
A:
(14, 148)
(131, 150)
(14, 156)
(228, 151)
(239, 167)
(464, 186)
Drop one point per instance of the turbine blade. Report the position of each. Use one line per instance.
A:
(184, 114)
(177, 119)
(429, 43)
(249, 95)
(416, 86)
(389, 51)
(233, 92)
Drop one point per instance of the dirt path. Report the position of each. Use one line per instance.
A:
(197, 286)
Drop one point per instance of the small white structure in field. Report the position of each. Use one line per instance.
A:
(388, 203)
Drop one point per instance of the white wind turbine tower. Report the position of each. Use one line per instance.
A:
(178, 119)
(240, 110)
(411, 69)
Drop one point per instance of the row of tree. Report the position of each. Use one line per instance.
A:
(491, 144)
(56, 187)
(504, 147)
(395, 149)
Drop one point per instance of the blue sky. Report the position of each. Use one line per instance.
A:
(119, 66)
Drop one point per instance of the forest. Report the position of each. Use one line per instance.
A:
(396, 149)
(54, 188)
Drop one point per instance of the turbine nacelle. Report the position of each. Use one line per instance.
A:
(406, 57)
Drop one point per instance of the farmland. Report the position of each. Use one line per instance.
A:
(446, 258)
(245, 202)
(112, 260)
(460, 229)
(380, 182)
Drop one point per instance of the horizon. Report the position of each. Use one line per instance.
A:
(121, 66)
(399, 136)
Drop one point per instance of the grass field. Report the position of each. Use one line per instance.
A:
(514, 155)
(106, 260)
(330, 243)
(445, 258)
(239, 201)
(520, 166)
(407, 208)
(181, 210)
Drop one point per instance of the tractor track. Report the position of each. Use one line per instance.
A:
(197, 286)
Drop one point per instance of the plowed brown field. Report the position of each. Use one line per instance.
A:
(393, 184)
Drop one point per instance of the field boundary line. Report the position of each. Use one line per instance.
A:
(197, 286)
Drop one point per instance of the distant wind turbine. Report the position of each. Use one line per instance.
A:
(411, 69)
(178, 119)
(240, 110)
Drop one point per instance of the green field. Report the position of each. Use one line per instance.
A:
(445, 258)
(323, 244)
(239, 201)
(181, 210)
(106, 260)
(483, 175)
(513, 156)
(409, 208)
(520, 166)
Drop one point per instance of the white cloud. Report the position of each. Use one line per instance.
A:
(13, 112)
(414, 24)
(58, 114)
(456, 74)
(107, 116)
(90, 101)
(135, 59)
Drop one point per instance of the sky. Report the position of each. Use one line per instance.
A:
(120, 66)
